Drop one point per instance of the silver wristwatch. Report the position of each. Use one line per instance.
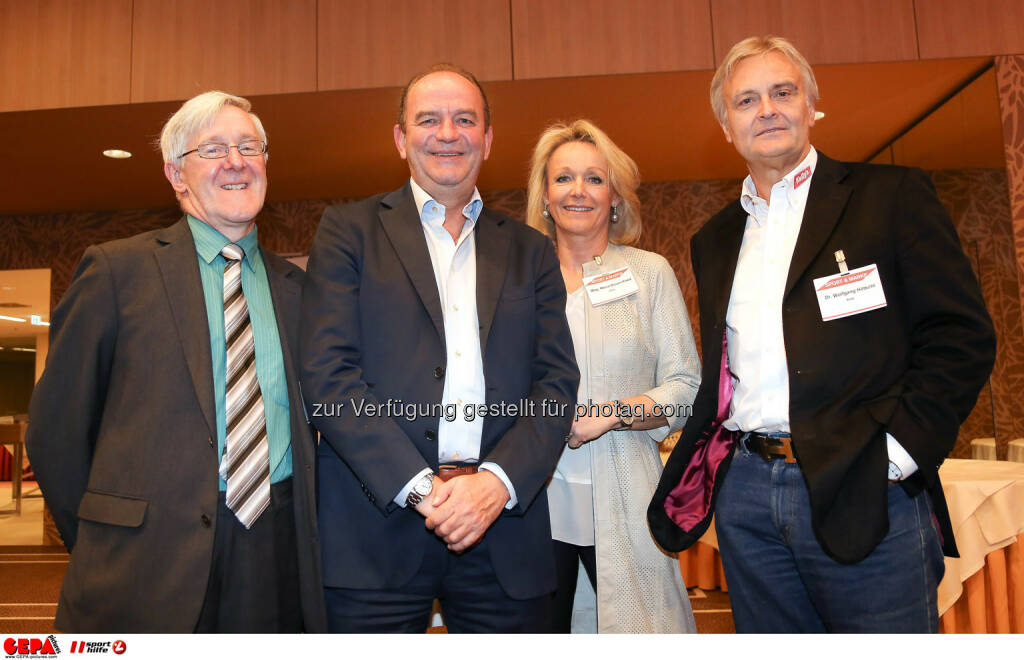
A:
(625, 420)
(420, 489)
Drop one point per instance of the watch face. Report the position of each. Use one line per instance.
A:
(425, 485)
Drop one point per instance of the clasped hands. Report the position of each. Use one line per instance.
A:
(461, 509)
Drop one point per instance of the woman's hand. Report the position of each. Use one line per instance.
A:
(593, 426)
(590, 427)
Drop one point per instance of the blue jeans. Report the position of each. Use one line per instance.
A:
(780, 580)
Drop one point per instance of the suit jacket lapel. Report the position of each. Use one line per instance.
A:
(401, 223)
(727, 239)
(177, 260)
(825, 203)
(285, 292)
(491, 262)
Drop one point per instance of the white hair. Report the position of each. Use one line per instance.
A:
(195, 115)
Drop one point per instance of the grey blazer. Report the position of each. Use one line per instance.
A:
(122, 436)
(641, 344)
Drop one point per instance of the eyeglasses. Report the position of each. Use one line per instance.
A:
(217, 150)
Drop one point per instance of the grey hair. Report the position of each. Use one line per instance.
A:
(195, 115)
(750, 47)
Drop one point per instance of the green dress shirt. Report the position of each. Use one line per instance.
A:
(269, 360)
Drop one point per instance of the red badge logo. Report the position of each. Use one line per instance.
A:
(845, 279)
(801, 176)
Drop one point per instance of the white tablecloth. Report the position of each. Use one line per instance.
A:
(986, 506)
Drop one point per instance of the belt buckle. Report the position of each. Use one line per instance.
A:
(787, 449)
(762, 447)
(784, 448)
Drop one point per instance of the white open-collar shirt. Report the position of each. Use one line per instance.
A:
(454, 263)
(755, 343)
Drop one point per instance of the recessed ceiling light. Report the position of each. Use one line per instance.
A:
(819, 115)
(117, 153)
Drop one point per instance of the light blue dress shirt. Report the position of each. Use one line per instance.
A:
(454, 264)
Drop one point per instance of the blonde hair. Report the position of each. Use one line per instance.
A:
(750, 47)
(623, 177)
(195, 115)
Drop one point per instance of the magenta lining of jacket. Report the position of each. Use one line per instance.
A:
(690, 501)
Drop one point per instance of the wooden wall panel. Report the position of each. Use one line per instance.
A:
(954, 28)
(62, 53)
(183, 47)
(383, 43)
(826, 32)
(555, 38)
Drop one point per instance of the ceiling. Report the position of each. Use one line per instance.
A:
(339, 144)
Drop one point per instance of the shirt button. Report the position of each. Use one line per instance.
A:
(458, 353)
(205, 519)
(455, 307)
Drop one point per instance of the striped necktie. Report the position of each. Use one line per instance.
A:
(245, 465)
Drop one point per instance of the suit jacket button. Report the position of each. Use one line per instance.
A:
(430, 435)
(205, 520)
(210, 440)
(439, 372)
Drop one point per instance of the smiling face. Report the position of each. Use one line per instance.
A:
(579, 193)
(444, 139)
(225, 193)
(768, 117)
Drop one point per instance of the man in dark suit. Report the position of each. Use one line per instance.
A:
(172, 359)
(420, 307)
(844, 339)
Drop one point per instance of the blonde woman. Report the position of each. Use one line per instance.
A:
(639, 373)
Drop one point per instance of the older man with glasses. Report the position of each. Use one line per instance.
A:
(168, 432)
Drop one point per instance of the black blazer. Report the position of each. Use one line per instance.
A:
(122, 436)
(913, 368)
(373, 331)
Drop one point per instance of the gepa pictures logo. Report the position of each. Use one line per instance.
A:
(30, 646)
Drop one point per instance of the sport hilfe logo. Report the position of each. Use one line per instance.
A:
(29, 646)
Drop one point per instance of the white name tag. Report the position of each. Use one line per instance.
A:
(613, 285)
(846, 294)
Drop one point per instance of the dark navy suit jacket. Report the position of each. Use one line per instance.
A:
(373, 331)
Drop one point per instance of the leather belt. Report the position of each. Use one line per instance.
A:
(768, 447)
(446, 472)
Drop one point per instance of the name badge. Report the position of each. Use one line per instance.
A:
(853, 292)
(610, 286)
